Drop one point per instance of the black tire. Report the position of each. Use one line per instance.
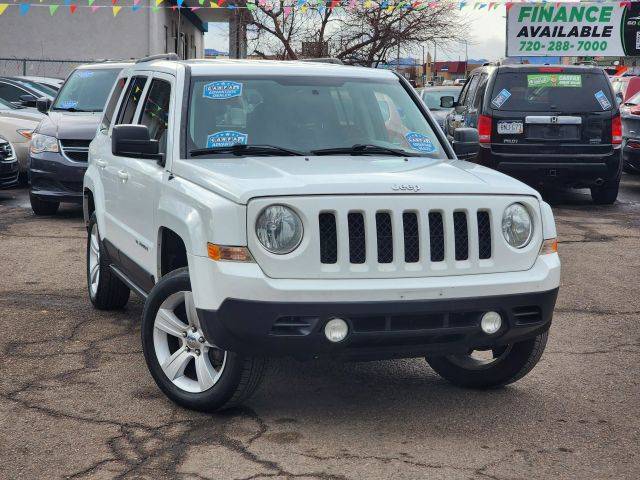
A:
(607, 194)
(43, 207)
(110, 292)
(518, 360)
(241, 375)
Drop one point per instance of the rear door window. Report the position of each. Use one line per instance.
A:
(155, 111)
(538, 91)
(131, 100)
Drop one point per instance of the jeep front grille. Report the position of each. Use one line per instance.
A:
(411, 237)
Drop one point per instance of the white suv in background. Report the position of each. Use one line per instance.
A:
(308, 209)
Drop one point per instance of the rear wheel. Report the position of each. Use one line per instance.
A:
(43, 207)
(491, 367)
(190, 370)
(606, 194)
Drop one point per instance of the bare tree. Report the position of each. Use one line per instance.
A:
(354, 34)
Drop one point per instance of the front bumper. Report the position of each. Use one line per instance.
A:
(631, 158)
(556, 170)
(56, 178)
(377, 330)
(8, 174)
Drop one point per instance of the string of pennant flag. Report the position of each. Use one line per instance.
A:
(288, 6)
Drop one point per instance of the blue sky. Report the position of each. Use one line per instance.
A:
(486, 39)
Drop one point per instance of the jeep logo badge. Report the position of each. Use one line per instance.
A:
(406, 188)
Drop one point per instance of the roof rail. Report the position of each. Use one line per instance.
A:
(160, 56)
(335, 61)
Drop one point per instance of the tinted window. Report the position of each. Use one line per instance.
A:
(535, 91)
(155, 111)
(473, 83)
(11, 93)
(113, 102)
(39, 87)
(86, 90)
(131, 100)
(307, 113)
(482, 85)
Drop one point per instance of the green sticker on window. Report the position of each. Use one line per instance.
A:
(539, 80)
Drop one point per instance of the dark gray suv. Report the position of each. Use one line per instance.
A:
(60, 144)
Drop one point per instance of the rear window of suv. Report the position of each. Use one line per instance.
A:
(539, 91)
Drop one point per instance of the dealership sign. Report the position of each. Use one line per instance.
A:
(573, 29)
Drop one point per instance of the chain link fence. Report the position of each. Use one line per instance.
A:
(10, 67)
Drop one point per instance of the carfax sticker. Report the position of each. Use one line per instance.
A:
(502, 97)
(602, 100)
(69, 104)
(539, 80)
(420, 142)
(222, 90)
(227, 138)
(85, 73)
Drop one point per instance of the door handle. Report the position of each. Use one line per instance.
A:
(100, 163)
(123, 175)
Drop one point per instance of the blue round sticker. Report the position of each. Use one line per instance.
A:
(420, 142)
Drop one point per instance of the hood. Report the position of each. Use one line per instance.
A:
(70, 125)
(243, 178)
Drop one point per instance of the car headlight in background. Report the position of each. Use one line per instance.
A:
(43, 143)
(517, 225)
(279, 229)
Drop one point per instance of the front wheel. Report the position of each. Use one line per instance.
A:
(43, 207)
(189, 369)
(492, 367)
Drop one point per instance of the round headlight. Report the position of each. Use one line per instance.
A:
(279, 229)
(517, 226)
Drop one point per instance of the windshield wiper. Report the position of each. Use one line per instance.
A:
(240, 149)
(363, 149)
(73, 109)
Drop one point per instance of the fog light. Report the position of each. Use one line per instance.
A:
(336, 330)
(491, 322)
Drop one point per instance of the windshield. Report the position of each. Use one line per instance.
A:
(47, 91)
(432, 96)
(86, 90)
(307, 114)
(542, 92)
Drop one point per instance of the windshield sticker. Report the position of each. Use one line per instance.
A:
(222, 90)
(602, 100)
(420, 142)
(85, 74)
(69, 104)
(502, 97)
(540, 80)
(227, 138)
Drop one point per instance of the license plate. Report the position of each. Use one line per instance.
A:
(509, 128)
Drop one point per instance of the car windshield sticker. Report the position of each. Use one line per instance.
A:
(227, 138)
(420, 142)
(85, 73)
(502, 97)
(603, 100)
(69, 104)
(222, 90)
(540, 80)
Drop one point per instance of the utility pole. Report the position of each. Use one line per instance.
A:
(466, 58)
(435, 52)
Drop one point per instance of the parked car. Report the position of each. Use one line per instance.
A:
(625, 86)
(550, 126)
(22, 92)
(460, 81)
(630, 112)
(440, 101)
(50, 82)
(8, 165)
(267, 209)
(17, 125)
(60, 144)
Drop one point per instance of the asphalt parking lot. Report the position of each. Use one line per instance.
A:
(76, 400)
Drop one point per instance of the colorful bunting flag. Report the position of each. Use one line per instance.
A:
(24, 8)
(3, 7)
(116, 10)
(73, 8)
(53, 9)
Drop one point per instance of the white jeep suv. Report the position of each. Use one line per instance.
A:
(308, 209)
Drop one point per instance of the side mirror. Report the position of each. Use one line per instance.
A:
(28, 100)
(43, 104)
(134, 141)
(466, 142)
(619, 98)
(447, 102)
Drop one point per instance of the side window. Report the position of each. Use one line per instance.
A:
(113, 102)
(155, 111)
(471, 93)
(482, 86)
(131, 100)
(11, 93)
(464, 92)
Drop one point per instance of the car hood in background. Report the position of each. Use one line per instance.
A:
(242, 178)
(70, 125)
(30, 114)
